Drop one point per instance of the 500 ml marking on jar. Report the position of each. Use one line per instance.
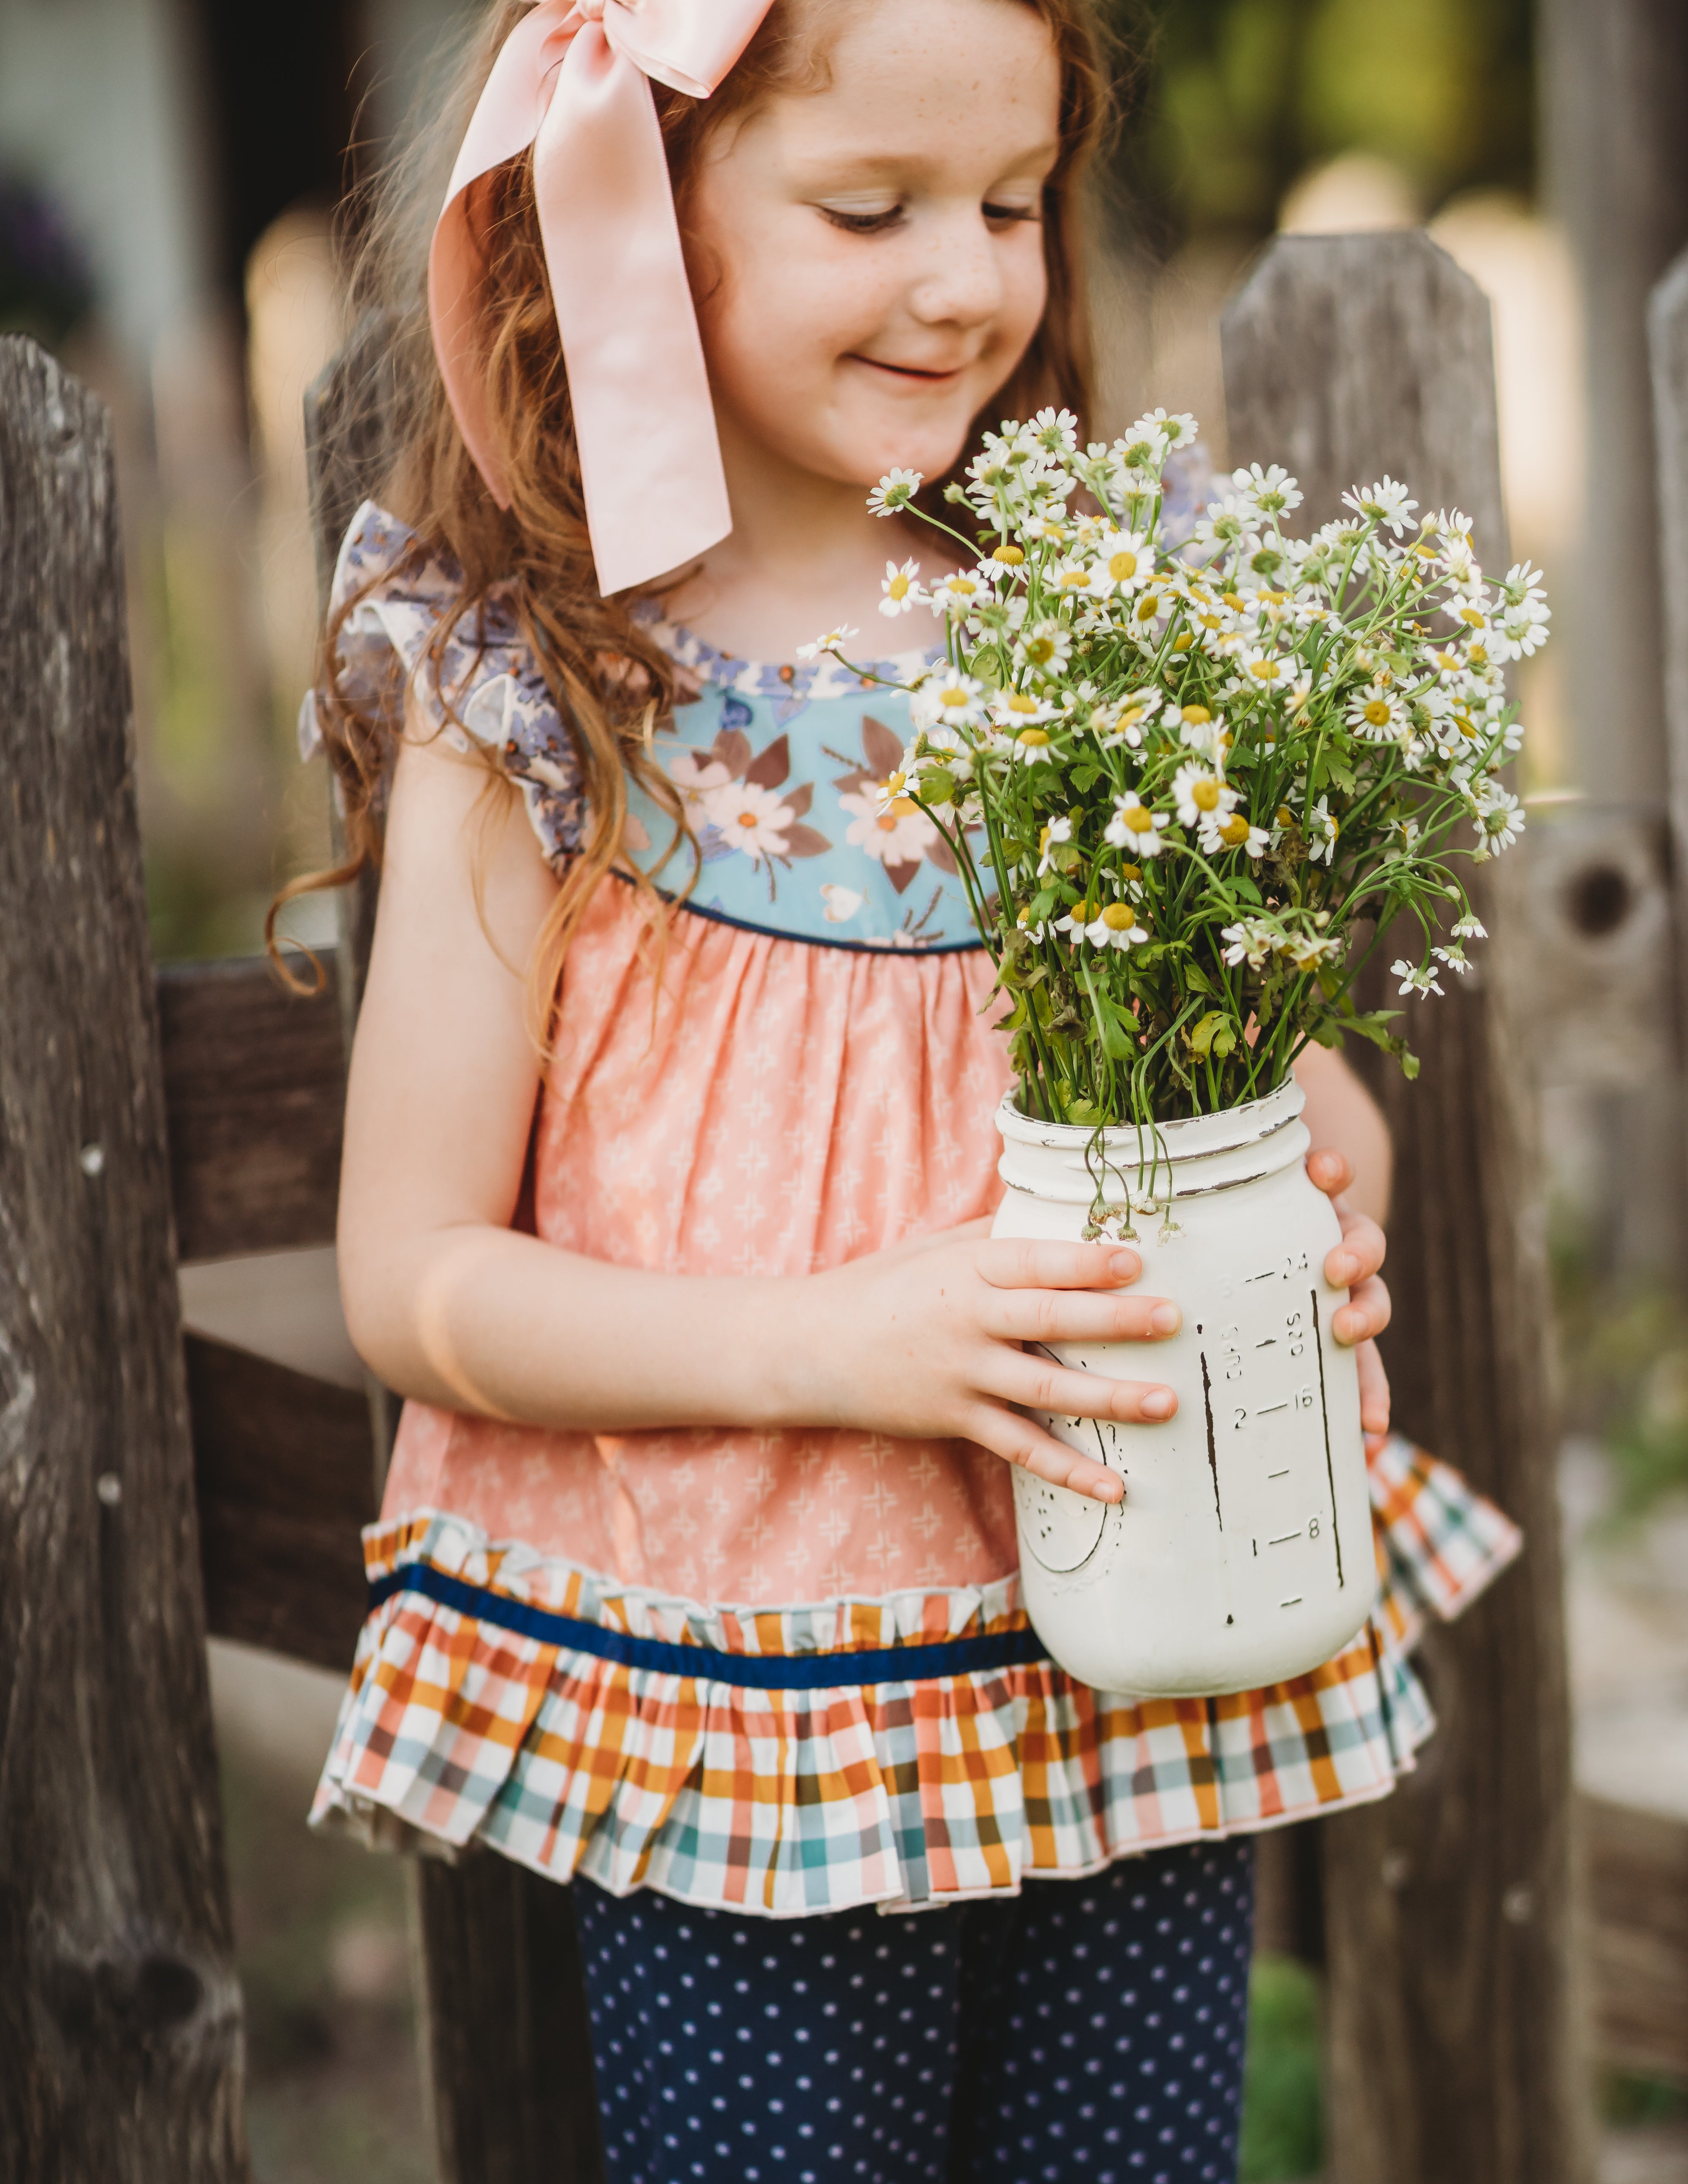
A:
(1329, 1468)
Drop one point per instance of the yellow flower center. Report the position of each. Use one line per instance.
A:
(1474, 615)
(1083, 913)
(898, 588)
(1286, 817)
(747, 819)
(1233, 599)
(1009, 556)
(1183, 641)
(1074, 579)
(1132, 716)
(1139, 819)
(1119, 918)
(1205, 796)
(1148, 609)
(964, 586)
(1479, 656)
(1195, 714)
(1377, 713)
(895, 784)
(1122, 567)
(1019, 702)
(1209, 621)
(1036, 737)
(952, 696)
(1129, 873)
(1233, 830)
(1039, 651)
(1265, 671)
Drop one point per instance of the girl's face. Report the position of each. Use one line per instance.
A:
(871, 253)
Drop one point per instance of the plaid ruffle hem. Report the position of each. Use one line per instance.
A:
(902, 1752)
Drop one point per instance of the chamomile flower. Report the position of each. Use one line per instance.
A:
(1056, 432)
(1377, 713)
(1500, 822)
(1233, 831)
(1135, 827)
(1421, 981)
(833, 641)
(901, 588)
(1470, 927)
(1250, 940)
(1454, 957)
(1045, 647)
(895, 490)
(1307, 950)
(1124, 563)
(1150, 609)
(1016, 710)
(1267, 495)
(1386, 504)
(1055, 831)
(1118, 926)
(1200, 794)
(1127, 719)
(951, 700)
(1269, 669)
(1320, 826)
(959, 593)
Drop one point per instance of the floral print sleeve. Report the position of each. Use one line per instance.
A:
(481, 685)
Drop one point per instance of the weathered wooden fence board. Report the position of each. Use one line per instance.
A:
(119, 2012)
(253, 1085)
(1667, 338)
(1453, 2049)
(281, 1466)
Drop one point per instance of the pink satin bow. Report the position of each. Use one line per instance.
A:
(573, 81)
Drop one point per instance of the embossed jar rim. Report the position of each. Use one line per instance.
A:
(1196, 1154)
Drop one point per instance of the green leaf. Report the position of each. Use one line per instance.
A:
(1085, 777)
(1243, 886)
(1213, 1033)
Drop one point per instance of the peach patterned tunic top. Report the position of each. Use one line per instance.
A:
(783, 1672)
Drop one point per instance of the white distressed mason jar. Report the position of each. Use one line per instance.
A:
(1241, 1554)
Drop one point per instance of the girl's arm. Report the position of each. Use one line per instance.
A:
(447, 1303)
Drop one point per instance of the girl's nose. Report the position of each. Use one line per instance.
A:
(960, 283)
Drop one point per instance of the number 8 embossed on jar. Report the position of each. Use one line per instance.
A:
(1241, 1554)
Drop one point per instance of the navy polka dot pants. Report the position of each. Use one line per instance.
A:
(1087, 2031)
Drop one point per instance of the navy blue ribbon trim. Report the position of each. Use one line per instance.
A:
(782, 1671)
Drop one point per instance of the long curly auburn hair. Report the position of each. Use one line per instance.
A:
(610, 682)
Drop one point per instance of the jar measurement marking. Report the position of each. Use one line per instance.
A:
(1282, 1539)
(1330, 1466)
(1212, 1453)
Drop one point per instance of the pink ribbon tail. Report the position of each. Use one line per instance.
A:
(579, 92)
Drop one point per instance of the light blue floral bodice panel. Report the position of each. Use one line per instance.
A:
(778, 768)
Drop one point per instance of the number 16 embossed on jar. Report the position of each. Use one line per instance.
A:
(1241, 1554)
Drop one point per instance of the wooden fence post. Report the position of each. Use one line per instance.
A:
(1453, 2024)
(1667, 339)
(120, 2044)
(506, 2050)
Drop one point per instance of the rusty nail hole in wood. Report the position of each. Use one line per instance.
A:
(1598, 900)
(92, 1159)
(109, 1487)
(1517, 1905)
(1397, 1869)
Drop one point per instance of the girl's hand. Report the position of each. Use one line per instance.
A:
(924, 1341)
(1354, 1263)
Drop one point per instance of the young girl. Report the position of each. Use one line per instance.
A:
(669, 1157)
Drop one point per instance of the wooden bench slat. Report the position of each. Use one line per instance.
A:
(254, 1089)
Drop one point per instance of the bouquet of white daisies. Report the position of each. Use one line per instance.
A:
(1189, 782)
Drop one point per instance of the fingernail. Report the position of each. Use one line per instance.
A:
(1124, 1266)
(1341, 1268)
(1165, 1319)
(1160, 1404)
(1108, 1489)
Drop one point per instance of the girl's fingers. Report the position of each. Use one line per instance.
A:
(1077, 1316)
(1022, 1263)
(1359, 1255)
(1373, 1393)
(1365, 1315)
(1040, 1384)
(1018, 1441)
(1329, 1171)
